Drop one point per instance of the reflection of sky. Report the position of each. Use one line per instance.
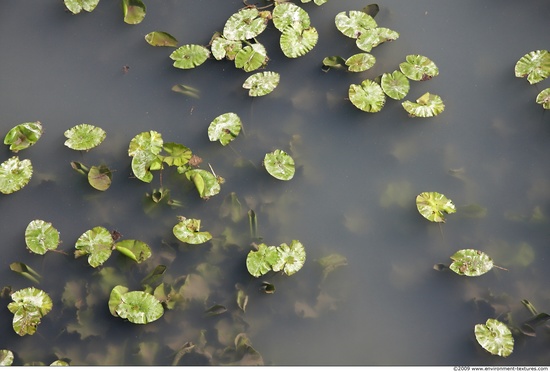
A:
(355, 171)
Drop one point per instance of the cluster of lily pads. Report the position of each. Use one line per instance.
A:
(286, 258)
(535, 67)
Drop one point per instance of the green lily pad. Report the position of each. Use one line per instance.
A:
(418, 68)
(317, 2)
(100, 177)
(143, 163)
(179, 155)
(134, 11)
(289, 14)
(84, 137)
(296, 42)
(368, 96)
(261, 83)
(543, 98)
(188, 231)
(291, 258)
(251, 57)
(161, 39)
(76, 6)
(29, 306)
(41, 236)
(495, 337)
(189, 56)
(433, 206)
(207, 184)
(395, 85)
(134, 249)
(427, 105)
(223, 48)
(6, 357)
(374, 37)
(97, 243)
(139, 307)
(535, 66)
(360, 62)
(225, 128)
(471, 262)
(280, 165)
(23, 136)
(150, 142)
(354, 24)
(14, 174)
(260, 261)
(246, 24)
(115, 298)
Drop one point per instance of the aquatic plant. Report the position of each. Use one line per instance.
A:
(76, 6)
(225, 128)
(29, 306)
(395, 84)
(279, 164)
(543, 98)
(495, 337)
(161, 39)
(433, 206)
(14, 174)
(535, 66)
(84, 137)
(6, 357)
(137, 307)
(285, 258)
(426, 106)
(41, 237)
(98, 176)
(368, 96)
(189, 56)
(471, 262)
(134, 11)
(23, 135)
(261, 83)
(188, 231)
(419, 68)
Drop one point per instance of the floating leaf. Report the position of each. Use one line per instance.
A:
(29, 306)
(395, 85)
(279, 164)
(355, 24)
(97, 243)
(139, 307)
(374, 37)
(115, 298)
(41, 236)
(433, 205)
(23, 136)
(428, 105)
(360, 62)
(543, 98)
(161, 38)
(225, 128)
(295, 41)
(134, 249)
(260, 261)
(179, 155)
(495, 337)
(143, 163)
(84, 137)
(471, 262)
(189, 56)
(535, 66)
(223, 48)
(261, 83)
(246, 24)
(317, 2)
(134, 11)
(188, 231)
(289, 14)
(206, 183)
(26, 271)
(99, 177)
(6, 357)
(291, 258)
(150, 142)
(368, 96)
(418, 68)
(14, 174)
(251, 57)
(76, 6)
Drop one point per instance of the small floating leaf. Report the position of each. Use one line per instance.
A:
(115, 298)
(134, 249)
(161, 38)
(223, 48)
(471, 262)
(368, 96)
(29, 306)
(261, 83)
(418, 68)
(41, 236)
(84, 137)
(188, 231)
(206, 183)
(251, 57)
(246, 24)
(395, 85)
(260, 261)
(179, 155)
(360, 62)
(76, 6)
(355, 24)
(535, 66)
(14, 174)
(374, 37)
(317, 2)
(99, 177)
(23, 136)
(291, 258)
(139, 307)
(97, 243)
(189, 56)
(433, 205)
(543, 98)
(279, 164)
(296, 42)
(150, 142)
(143, 163)
(134, 11)
(495, 337)
(428, 105)
(289, 14)
(225, 128)
(6, 357)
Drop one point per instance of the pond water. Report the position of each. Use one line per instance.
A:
(353, 194)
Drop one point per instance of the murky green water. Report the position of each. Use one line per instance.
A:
(353, 193)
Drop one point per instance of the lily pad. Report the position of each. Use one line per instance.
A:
(535, 66)
(41, 236)
(418, 68)
(150, 142)
(134, 249)
(23, 135)
(246, 24)
(368, 96)
(395, 85)
(223, 48)
(84, 137)
(189, 56)
(97, 243)
(251, 57)
(261, 83)
(29, 306)
(115, 298)
(360, 62)
(14, 174)
(354, 24)
(161, 39)
(225, 128)
(543, 98)
(188, 231)
(289, 14)
(100, 177)
(143, 163)
(427, 105)
(279, 164)
(76, 6)
(471, 262)
(207, 184)
(134, 11)
(179, 155)
(139, 307)
(374, 37)
(433, 206)
(495, 337)
(6, 357)
(291, 258)
(260, 261)
(317, 2)
(296, 42)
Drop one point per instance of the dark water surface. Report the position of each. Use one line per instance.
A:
(353, 193)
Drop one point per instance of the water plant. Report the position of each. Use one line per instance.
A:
(84, 137)
(29, 306)
(6, 357)
(261, 83)
(495, 337)
(471, 262)
(286, 258)
(137, 307)
(161, 39)
(98, 176)
(23, 135)
(433, 206)
(41, 237)
(188, 231)
(14, 174)
(134, 11)
(225, 128)
(76, 6)
(368, 96)
(426, 106)
(279, 164)
(535, 66)
(543, 98)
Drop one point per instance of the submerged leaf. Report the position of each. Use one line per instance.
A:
(355, 24)
(495, 337)
(279, 164)
(139, 307)
(433, 205)
(368, 96)
(189, 56)
(225, 128)
(535, 66)
(14, 174)
(161, 38)
(186, 90)
(295, 41)
(188, 231)
(26, 271)
(471, 262)
(543, 98)
(29, 306)
(418, 68)
(76, 6)
(251, 57)
(289, 14)
(427, 105)
(261, 83)
(246, 24)
(134, 11)
(134, 249)
(23, 136)
(97, 243)
(395, 85)
(84, 137)
(41, 236)
(371, 9)
(360, 62)
(336, 62)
